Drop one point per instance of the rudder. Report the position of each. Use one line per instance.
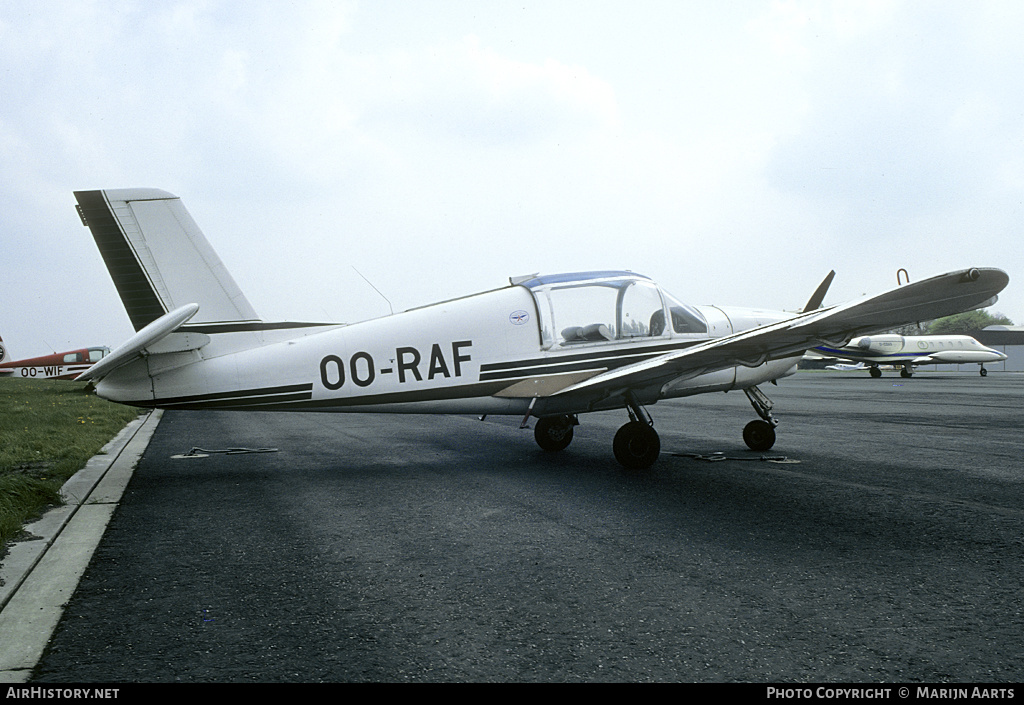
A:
(158, 257)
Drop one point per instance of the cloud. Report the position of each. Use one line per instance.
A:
(712, 146)
(901, 122)
(471, 97)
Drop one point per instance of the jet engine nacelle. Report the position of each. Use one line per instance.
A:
(880, 343)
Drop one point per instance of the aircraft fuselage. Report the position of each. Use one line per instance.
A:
(482, 354)
(900, 350)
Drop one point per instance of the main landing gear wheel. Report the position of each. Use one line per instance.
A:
(906, 373)
(759, 435)
(554, 433)
(636, 445)
(875, 372)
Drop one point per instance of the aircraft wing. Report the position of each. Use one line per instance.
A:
(942, 295)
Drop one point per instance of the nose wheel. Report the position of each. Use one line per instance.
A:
(759, 435)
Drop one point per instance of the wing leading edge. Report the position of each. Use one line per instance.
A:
(942, 295)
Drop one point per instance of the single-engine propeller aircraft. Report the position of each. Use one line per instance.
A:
(58, 365)
(909, 351)
(550, 347)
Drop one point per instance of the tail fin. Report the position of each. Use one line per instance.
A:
(158, 257)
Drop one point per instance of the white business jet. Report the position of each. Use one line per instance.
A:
(550, 347)
(909, 351)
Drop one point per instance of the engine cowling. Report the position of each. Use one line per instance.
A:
(887, 343)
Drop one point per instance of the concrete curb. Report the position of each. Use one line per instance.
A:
(39, 575)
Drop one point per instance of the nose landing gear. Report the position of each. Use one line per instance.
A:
(759, 435)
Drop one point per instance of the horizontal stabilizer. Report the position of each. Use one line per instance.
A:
(148, 336)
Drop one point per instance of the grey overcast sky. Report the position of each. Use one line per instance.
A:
(734, 151)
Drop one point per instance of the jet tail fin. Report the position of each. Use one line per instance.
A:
(158, 257)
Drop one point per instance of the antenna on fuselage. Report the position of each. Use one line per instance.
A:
(375, 289)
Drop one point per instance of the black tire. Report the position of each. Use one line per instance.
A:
(636, 446)
(984, 372)
(875, 372)
(759, 435)
(906, 373)
(553, 433)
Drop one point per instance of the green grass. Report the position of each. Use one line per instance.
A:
(48, 430)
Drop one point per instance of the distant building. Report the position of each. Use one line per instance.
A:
(1008, 340)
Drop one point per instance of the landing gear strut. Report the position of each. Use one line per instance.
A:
(760, 434)
(636, 445)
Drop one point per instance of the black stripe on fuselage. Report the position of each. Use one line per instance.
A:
(299, 397)
(598, 359)
(462, 391)
(242, 398)
(249, 326)
(133, 286)
(494, 377)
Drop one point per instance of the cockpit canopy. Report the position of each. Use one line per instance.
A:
(594, 307)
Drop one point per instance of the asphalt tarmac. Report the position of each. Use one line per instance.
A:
(881, 540)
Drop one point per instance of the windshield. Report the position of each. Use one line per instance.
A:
(685, 319)
(601, 307)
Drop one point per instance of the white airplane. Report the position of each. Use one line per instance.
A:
(909, 351)
(843, 367)
(551, 347)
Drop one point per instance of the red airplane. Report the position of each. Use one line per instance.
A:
(62, 365)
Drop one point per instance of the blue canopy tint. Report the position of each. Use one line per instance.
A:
(580, 277)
